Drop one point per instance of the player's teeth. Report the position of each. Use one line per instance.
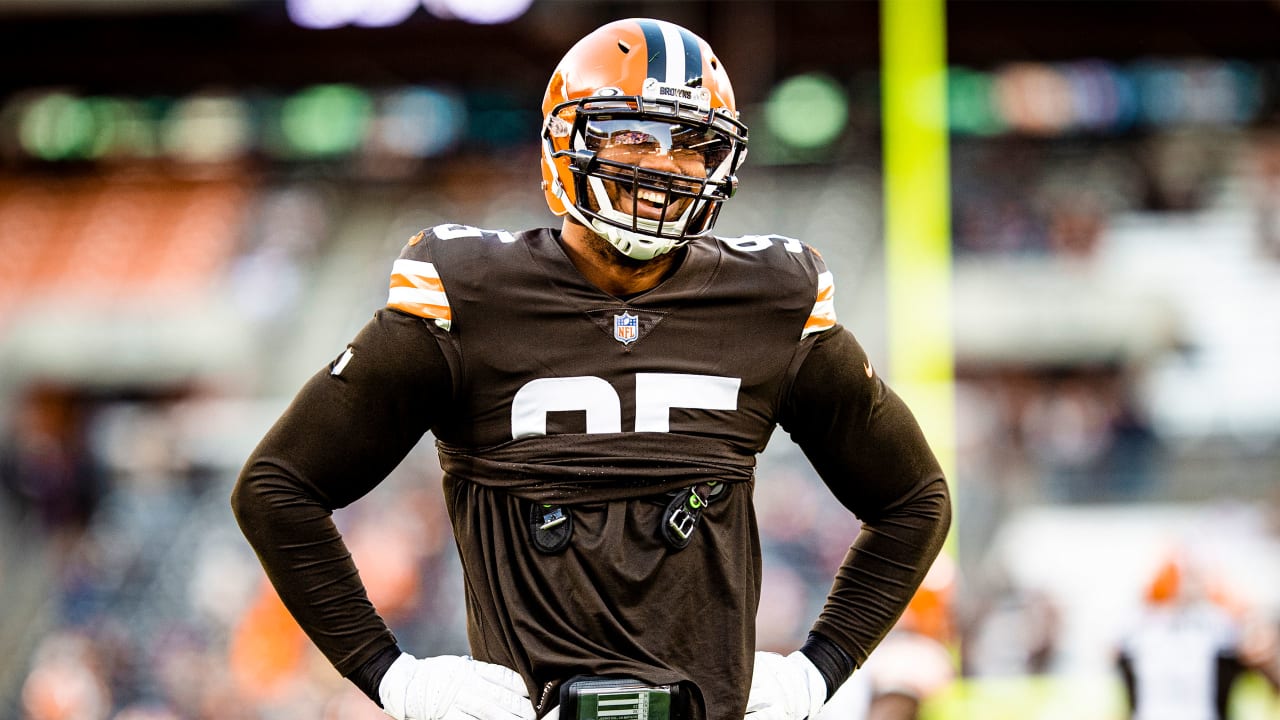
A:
(651, 196)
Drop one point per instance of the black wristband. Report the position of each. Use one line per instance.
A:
(368, 676)
(833, 662)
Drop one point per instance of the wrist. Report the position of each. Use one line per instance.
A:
(831, 661)
(393, 689)
(368, 676)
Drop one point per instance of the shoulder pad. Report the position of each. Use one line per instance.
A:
(823, 315)
(416, 287)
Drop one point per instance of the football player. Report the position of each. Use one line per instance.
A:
(598, 393)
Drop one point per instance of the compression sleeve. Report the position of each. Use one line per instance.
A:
(349, 426)
(869, 450)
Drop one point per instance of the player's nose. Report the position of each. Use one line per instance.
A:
(662, 161)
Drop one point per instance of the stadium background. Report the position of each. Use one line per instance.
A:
(199, 202)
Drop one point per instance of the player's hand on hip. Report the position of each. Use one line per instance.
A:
(785, 688)
(452, 687)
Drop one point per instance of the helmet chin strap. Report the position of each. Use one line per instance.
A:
(632, 244)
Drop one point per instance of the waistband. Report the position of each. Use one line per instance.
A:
(609, 698)
(567, 469)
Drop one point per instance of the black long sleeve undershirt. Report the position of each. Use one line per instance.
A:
(341, 436)
(344, 433)
(869, 450)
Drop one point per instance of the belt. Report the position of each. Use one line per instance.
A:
(599, 698)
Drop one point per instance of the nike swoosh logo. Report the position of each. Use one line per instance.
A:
(867, 366)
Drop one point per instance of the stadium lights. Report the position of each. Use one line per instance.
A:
(1054, 99)
(807, 111)
(207, 129)
(479, 12)
(326, 120)
(57, 126)
(328, 14)
(420, 121)
(803, 117)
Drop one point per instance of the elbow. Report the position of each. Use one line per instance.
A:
(929, 510)
(239, 497)
(945, 511)
(268, 494)
(934, 502)
(260, 493)
(242, 497)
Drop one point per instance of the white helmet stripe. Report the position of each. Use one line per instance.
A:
(666, 51)
(674, 52)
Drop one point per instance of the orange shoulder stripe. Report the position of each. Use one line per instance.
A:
(416, 288)
(823, 315)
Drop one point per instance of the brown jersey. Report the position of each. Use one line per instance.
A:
(545, 392)
(565, 395)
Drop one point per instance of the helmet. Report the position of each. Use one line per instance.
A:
(651, 86)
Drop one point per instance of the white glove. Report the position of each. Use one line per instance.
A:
(785, 688)
(452, 687)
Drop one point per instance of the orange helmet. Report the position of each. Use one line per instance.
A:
(1166, 584)
(649, 82)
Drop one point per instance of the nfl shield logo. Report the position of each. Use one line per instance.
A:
(626, 328)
